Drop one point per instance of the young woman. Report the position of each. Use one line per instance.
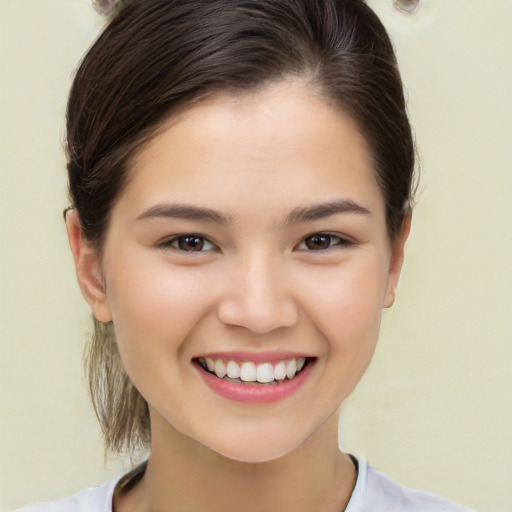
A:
(240, 173)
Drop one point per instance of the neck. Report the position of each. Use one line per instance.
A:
(185, 476)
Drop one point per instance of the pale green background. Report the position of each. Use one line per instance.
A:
(435, 409)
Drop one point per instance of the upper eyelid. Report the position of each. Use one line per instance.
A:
(341, 236)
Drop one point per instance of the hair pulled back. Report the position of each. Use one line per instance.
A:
(157, 56)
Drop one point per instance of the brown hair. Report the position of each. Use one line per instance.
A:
(156, 56)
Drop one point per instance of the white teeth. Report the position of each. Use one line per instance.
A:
(280, 371)
(233, 370)
(220, 368)
(265, 373)
(291, 368)
(248, 372)
(251, 372)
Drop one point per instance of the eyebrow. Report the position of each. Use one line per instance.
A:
(296, 216)
(185, 211)
(323, 210)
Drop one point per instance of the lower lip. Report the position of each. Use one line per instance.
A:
(255, 393)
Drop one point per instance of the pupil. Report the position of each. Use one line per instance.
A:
(318, 242)
(191, 243)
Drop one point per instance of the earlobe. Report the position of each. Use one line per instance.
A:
(88, 269)
(396, 262)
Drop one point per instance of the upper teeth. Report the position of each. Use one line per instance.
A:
(249, 371)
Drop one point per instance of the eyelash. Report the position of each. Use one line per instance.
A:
(333, 241)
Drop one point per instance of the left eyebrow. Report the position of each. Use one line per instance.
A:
(323, 210)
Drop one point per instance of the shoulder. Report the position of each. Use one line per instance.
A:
(376, 492)
(92, 499)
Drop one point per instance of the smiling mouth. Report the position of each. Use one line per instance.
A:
(252, 373)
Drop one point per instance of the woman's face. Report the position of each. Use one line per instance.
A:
(251, 236)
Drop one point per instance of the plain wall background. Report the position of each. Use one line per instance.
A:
(434, 410)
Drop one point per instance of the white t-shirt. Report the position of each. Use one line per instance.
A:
(373, 492)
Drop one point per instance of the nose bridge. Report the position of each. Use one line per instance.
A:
(258, 295)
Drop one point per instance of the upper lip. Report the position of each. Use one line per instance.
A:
(257, 357)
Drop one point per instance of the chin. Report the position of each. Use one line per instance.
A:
(256, 448)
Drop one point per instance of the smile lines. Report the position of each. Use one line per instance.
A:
(248, 371)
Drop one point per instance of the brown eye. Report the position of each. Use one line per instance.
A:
(191, 243)
(322, 242)
(318, 242)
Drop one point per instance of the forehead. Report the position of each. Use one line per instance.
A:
(284, 137)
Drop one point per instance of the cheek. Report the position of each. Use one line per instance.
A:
(347, 306)
(154, 306)
(350, 324)
(154, 311)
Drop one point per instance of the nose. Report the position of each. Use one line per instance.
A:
(258, 296)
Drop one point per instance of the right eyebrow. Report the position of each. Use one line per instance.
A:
(185, 211)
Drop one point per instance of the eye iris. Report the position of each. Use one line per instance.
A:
(191, 243)
(318, 242)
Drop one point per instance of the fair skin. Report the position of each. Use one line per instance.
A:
(251, 179)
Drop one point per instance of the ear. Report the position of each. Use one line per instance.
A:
(88, 269)
(396, 262)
